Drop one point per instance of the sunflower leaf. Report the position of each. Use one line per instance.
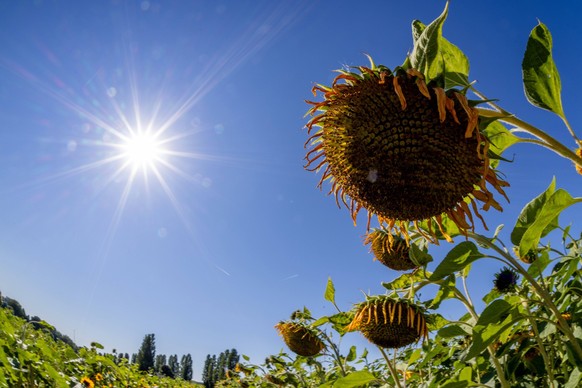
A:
(499, 138)
(541, 79)
(540, 217)
(458, 258)
(530, 212)
(355, 379)
(425, 54)
(329, 291)
(546, 220)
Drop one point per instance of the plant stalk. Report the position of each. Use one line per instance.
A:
(548, 141)
(542, 292)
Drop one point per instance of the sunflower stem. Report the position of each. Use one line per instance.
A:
(494, 360)
(390, 367)
(521, 126)
(545, 356)
(542, 292)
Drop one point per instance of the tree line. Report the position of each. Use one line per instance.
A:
(216, 368)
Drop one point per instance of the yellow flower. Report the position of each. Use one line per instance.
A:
(98, 377)
(401, 149)
(579, 153)
(87, 382)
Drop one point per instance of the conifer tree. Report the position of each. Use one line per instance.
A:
(160, 361)
(186, 369)
(147, 353)
(173, 364)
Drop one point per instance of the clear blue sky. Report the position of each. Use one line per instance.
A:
(231, 235)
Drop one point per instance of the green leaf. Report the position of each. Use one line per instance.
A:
(538, 266)
(355, 379)
(460, 256)
(415, 356)
(444, 292)
(329, 291)
(451, 331)
(456, 65)
(425, 54)
(449, 58)
(574, 379)
(352, 354)
(405, 280)
(546, 219)
(530, 212)
(418, 256)
(541, 79)
(494, 313)
(499, 137)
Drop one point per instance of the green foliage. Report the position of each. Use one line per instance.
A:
(30, 356)
(541, 79)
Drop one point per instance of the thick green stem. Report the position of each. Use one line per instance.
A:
(549, 368)
(390, 367)
(494, 360)
(542, 292)
(548, 141)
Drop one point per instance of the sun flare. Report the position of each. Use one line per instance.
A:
(142, 150)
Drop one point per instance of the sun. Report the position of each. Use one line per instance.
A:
(142, 150)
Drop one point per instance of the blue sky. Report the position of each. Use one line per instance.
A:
(231, 235)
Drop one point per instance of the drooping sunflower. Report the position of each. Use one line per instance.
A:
(388, 322)
(401, 149)
(392, 251)
(300, 339)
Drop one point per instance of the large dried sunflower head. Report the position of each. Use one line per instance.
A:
(403, 150)
(389, 323)
(392, 251)
(300, 339)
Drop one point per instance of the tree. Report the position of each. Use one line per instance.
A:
(167, 371)
(186, 367)
(173, 364)
(215, 368)
(147, 353)
(15, 306)
(233, 359)
(160, 361)
(208, 372)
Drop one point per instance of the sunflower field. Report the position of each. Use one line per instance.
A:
(30, 356)
(420, 150)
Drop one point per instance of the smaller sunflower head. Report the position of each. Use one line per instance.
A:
(505, 280)
(98, 377)
(87, 382)
(529, 257)
(389, 322)
(390, 250)
(300, 338)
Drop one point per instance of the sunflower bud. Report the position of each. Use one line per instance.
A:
(388, 322)
(300, 339)
(401, 149)
(505, 280)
